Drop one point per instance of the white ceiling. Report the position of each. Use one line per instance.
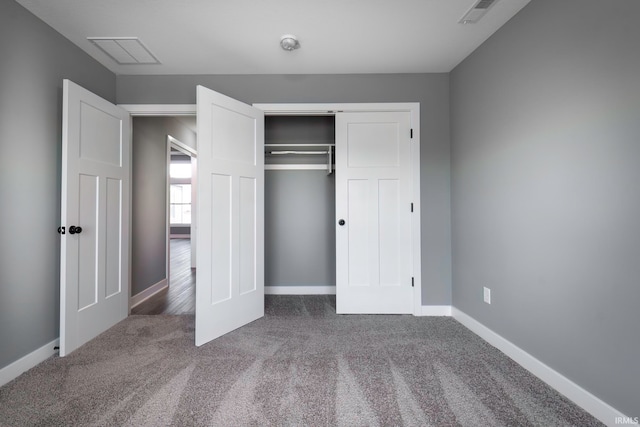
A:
(242, 36)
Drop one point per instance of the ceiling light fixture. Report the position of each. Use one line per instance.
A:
(289, 42)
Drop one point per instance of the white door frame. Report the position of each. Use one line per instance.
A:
(308, 109)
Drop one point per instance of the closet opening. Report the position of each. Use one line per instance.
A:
(300, 243)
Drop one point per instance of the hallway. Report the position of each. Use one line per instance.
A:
(180, 297)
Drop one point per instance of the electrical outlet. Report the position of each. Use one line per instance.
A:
(487, 295)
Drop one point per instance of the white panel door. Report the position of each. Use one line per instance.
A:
(373, 209)
(230, 235)
(94, 267)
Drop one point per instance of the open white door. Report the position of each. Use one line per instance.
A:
(230, 235)
(373, 208)
(94, 256)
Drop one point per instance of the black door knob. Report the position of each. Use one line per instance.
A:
(342, 222)
(75, 230)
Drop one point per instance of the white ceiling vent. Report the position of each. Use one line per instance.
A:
(125, 50)
(477, 11)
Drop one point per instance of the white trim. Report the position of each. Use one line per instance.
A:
(22, 365)
(416, 224)
(181, 146)
(308, 109)
(141, 297)
(299, 290)
(160, 109)
(167, 206)
(581, 397)
(435, 310)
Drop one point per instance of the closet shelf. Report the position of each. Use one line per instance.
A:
(284, 150)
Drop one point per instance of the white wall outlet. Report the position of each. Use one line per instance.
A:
(487, 295)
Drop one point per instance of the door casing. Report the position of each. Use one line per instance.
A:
(309, 109)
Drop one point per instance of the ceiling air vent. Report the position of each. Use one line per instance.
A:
(477, 11)
(125, 50)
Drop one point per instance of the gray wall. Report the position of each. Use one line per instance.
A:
(300, 244)
(431, 90)
(149, 197)
(34, 61)
(546, 190)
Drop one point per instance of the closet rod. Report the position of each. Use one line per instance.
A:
(325, 149)
(297, 152)
(320, 144)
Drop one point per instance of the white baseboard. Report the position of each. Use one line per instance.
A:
(581, 397)
(435, 310)
(27, 362)
(141, 297)
(300, 290)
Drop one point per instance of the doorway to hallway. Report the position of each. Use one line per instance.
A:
(180, 296)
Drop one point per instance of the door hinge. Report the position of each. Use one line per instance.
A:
(411, 206)
(412, 282)
(411, 133)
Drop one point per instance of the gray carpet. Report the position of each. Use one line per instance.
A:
(300, 365)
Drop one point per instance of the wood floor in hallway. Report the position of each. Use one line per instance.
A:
(180, 296)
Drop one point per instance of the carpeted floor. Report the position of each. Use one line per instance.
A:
(300, 365)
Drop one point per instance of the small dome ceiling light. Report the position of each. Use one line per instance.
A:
(289, 42)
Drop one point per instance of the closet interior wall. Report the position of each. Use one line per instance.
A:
(300, 245)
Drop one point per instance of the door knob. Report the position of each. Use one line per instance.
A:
(75, 230)
(342, 222)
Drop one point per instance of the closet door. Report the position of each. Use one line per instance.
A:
(230, 236)
(373, 213)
